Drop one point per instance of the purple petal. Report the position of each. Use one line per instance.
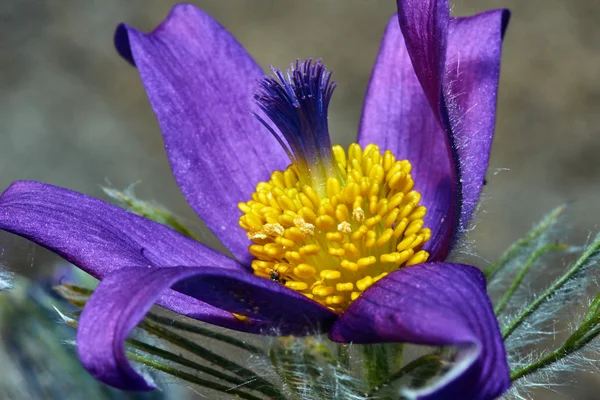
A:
(457, 63)
(200, 82)
(101, 238)
(470, 93)
(125, 296)
(397, 117)
(436, 304)
(424, 25)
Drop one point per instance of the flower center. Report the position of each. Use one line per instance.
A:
(331, 242)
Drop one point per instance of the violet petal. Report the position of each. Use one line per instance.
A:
(101, 238)
(436, 304)
(125, 296)
(200, 82)
(470, 92)
(397, 117)
(457, 61)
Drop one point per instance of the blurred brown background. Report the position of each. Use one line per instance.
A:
(72, 113)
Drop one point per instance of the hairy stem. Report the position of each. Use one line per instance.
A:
(191, 378)
(535, 256)
(533, 234)
(158, 330)
(583, 260)
(196, 329)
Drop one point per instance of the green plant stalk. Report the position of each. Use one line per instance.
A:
(343, 355)
(428, 359)
(191, 328)
(376, 364)
(149, 211)
(265, 386)
(191, 378)
(167, 355)
(535, 256)
(77, 294)
(590, 252)
(533, 234)
(556, 355)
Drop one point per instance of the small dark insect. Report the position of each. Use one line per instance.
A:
(484, 182)
(275, 276)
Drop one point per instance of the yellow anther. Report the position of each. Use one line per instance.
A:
(350, 266)
(330, 274)
(309, 249)
(414, 227)
(296, 285)
(333, 187)
(390, 219)
(252, 220)
(305, 271)
(308, 214)
(344, 227)
(293, 256)
(273, 249)
(285, 242)
(290, 178)
(241, 317)
(366, 261)
(418, 258)
(358, 222)
(282, 268)
(342, 213)
(324, 222)
(371, 239)
(334, 300)
(312, 195)
(396, 200)
(351, 249)
(340, 155)
(323, 290)
(360, 232)
(344, 287)
(385, 237)
(334, 237)
(406, 243)
(257, 250)
(337, 251)
(370, 222)
(400, 227)
(382, 207)
(388, 160)
(294, 233)
(364, 283)
(418, 213)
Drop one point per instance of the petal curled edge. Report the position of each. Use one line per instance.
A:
(457, 62)
(125, 296)
(397, 117)
(200, 83)
(101, 238)
(436, 304)
(470, 85)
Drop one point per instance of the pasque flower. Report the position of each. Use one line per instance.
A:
(352, 243)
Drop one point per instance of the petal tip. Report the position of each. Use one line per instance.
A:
(121, 42)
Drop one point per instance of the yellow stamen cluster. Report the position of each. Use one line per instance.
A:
(333, 241)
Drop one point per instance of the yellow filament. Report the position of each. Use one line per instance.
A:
(333, 241)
